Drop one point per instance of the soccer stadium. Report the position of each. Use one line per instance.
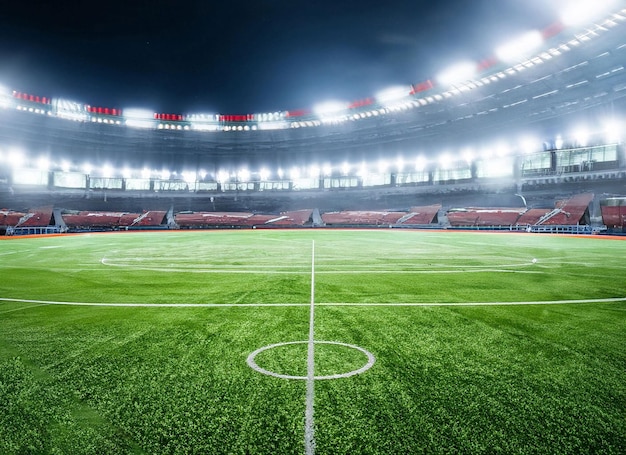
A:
(436, 268)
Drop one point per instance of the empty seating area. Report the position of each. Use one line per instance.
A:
(614, 212)
(485, 216)
(188, 220)
(572, 211)
(362, 218)
(422, 215)
(10, 217)
(569, 212)
(40, 217)
(85, 220)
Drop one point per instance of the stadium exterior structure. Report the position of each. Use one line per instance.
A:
(577, 79)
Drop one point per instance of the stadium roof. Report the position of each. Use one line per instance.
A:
(250, 56)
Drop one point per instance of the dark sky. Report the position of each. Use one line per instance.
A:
(238, 57)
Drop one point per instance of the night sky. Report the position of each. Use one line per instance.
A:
(239, 57)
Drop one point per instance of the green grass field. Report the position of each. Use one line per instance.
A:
(541, 371)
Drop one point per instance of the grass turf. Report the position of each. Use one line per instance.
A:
(477, 379)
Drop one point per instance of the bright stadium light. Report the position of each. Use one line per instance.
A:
(612, 131)
(16, 158)
(445, 160)
(468, 155)
(127, 172)
(87, 168)
(460, 72)
(362, 172)
(521, 47)
(294, 173)
(65, 166)
(558, 143)
(420, 163)
(581, 136)
(264, 173)
(243, 175)
(107, 171)
(528, 145)
(345, 168)
(189, 177)
(400, 164)
(392, 95)
(280, 173)
(43, 164)
(585, 11)
(329, 108)
(145, 173)
(314, 172)
(222, 176)
(327, 170)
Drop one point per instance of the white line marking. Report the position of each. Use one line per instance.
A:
(309, 428)
(330, 304)
(251, 360)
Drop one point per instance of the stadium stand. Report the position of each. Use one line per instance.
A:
(572, 211)
(94, 220)
(531, 217)
(484, 216)
(10, 218)
(365, 218)
(188, 220)
(40, 217)
(421, 215)
(614, 212)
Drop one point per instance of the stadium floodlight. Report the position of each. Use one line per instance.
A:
(520, 47)
(222, 176)
(243, 175)
(145, 173)
(345, 168)
(16, 158)
(445, 161)
(43, 164)
(87, 168)
(314, 172)
(189, 177)
(126, 172)
(65, 166)
(558, 143)
(392, 95)
(327, 170)
(581, 136)
(329, 108)
(420, 163)
(107, 171)
(468, 155)
(585, 11)
(528, 145)
(611, 131)
(294, 173)
(264, 173)
(280, 173)
(400, 164)
(138, 118)
(502, 149)
(362, 172)
(165, 174)
(457, 73)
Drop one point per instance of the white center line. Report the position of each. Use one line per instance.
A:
(309, 430)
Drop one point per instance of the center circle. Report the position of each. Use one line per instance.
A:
(252, 362)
